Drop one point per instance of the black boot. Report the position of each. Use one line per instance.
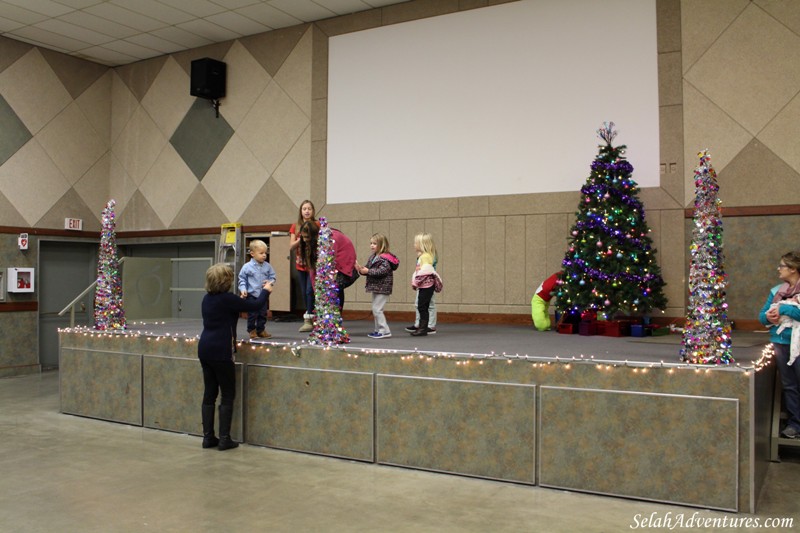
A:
(422, 330)
(225, 417)
(209, 439)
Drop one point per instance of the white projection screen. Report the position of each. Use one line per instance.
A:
(498, 100)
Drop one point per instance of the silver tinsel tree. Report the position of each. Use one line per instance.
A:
(707, 333)
(108, 311)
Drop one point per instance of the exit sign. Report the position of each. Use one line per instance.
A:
(73, 223)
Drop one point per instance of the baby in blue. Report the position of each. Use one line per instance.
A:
(251, 280)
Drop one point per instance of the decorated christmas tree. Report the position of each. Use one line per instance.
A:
(108, 311)
(707, 333)
(610, 264)
(328, 328)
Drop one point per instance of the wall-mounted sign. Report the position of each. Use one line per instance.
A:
(73, 223)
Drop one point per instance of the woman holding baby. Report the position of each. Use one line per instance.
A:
(780, 313)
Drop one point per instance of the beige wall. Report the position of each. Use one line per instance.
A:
(728, 77)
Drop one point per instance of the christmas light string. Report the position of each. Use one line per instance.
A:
(461, 359)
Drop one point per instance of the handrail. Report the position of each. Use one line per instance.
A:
(71, 306)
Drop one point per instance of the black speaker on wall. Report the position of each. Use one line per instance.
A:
(208, 78)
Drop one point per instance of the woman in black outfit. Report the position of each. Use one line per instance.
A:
(217, 345)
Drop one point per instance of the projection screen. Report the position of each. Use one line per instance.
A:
(493, 101)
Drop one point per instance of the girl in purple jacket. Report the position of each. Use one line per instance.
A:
(378, 270)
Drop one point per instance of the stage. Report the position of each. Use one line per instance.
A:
(619, 416)
(484, 340)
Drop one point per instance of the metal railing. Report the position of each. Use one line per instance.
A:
(71, 306)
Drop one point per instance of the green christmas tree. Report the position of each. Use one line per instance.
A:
(328, 328)
(707, 333)
(108, 311)
(610, 264)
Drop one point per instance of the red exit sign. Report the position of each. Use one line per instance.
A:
(73, 223)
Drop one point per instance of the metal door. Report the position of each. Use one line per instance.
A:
(65, 269)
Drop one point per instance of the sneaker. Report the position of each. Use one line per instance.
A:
(253, 334)
(411, 329)
(379, 335)
(789, 433)
(264, 334)
(431, 331)
(420, 332)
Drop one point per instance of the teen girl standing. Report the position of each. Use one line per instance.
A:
(307, 213)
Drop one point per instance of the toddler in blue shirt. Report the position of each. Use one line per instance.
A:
(251, 280)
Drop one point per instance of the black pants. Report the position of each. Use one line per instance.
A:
(219, 376)
(423, 305)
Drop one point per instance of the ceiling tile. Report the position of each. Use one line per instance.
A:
(198, 8)
(98, 24)
(105, 56)
(67, 29)
(237, 23)
(182, 37)
(157, 10)
(132, 49)
(49, 39)
(209, 30)
(305, 10)
(343, 7)
(125, 17)
(78, 4)
(119, 32)
(9, 25)
(45, 7)
(149, 40)
(268, 16)
(19, 14)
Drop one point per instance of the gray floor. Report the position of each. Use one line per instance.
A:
(62, 473)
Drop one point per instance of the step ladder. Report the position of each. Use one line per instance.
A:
(230, 246)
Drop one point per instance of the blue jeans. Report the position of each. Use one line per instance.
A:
(307, 290)
(790, 381)
(257, 320)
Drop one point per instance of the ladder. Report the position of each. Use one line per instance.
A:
(230, 245)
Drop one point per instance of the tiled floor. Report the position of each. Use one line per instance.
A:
(62, 473)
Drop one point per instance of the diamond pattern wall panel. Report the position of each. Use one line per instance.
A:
(200, 137)
(15, 134)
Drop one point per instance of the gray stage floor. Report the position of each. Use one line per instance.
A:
(483, 339)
